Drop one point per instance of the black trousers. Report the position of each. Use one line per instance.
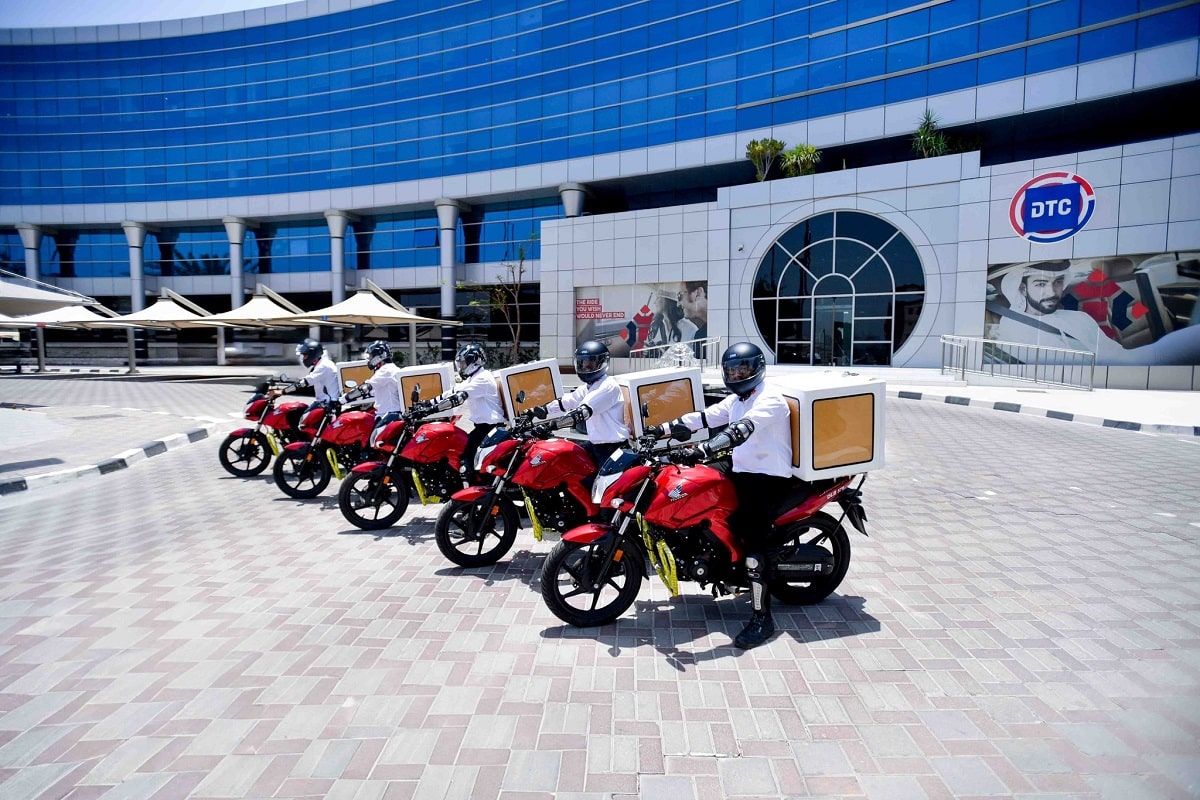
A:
(475, 438)
(600, 452)
(760, 498)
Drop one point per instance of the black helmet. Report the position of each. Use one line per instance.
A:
(309, 352)
(378, 353)
(470, 359)
(591, 361)
(743, 368)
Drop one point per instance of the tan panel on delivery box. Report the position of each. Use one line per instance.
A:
(430, 383)
(667, 400)
(538, 385)
(357, 371)
(843, 431)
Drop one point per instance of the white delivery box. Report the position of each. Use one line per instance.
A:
(356, 371)
(427, 381)
(540, 381)
(655, 396)
(837, 423)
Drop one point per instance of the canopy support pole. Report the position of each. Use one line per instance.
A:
(41, 348)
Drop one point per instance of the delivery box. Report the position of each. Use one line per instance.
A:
(540, 381)
(836, 422)
(655, 396)
(427, 380)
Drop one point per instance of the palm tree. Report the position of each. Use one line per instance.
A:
(928, 141)
(762, 153)
(801, 160)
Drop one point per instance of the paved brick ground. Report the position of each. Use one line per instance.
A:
(1022, 623)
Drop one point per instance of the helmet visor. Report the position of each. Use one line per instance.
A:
(740, 369)
(588, 363)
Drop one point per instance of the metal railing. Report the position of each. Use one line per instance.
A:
(1030, 363)
(702, 353)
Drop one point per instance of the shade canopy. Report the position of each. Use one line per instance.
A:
(68, 317)
(171, 311)
(19, 295)
(265, 308)
(366, 307)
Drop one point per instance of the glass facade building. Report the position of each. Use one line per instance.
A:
(278, 115)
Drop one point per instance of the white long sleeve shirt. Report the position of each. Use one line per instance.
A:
(385, 389)
(768, 451)
(483, 399)
(607, 422)
(323, 377)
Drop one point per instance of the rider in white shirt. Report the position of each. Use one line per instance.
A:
(606, 428)
(478, 390)
(322, 372)
(760, 468)
(384, 384)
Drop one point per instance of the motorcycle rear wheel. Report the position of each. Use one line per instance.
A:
(464, 529)
(826, 532)
(296, 477)
(246, 455)
(367, 503)
(569, 584)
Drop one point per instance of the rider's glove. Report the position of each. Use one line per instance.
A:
(689, 456)
(542, 430)
(540, 412)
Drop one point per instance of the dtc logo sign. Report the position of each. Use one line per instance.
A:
(1052, 207)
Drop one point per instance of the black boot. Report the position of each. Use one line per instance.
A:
(761, 627)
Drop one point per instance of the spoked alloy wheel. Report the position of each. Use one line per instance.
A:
(369, 503)
(821, 531)
(476, 534)
(584, 587)
(300, 478)
(246, 455)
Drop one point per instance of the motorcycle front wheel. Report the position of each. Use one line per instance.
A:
(245, 455)
(820, 530)
(298, 477)
(474, 535)
(583, 586)
(369, 503)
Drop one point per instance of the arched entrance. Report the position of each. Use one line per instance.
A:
(839, 288)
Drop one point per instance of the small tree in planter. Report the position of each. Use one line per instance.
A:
(801, 160)
(763, 153)
(504, 297)
(929, 141)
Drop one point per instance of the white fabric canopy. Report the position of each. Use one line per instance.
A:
(265, 308)
(365, 307)
(19, 295)
(165, 313)
(67, 316)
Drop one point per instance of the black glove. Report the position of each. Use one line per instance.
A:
(661, 431)
(539, 412)
(689, 456)
(542, 430)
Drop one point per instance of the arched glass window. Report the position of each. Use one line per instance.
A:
(839, 288)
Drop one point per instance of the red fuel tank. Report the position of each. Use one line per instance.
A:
(352, 427)
(434, 441)
(552, 462)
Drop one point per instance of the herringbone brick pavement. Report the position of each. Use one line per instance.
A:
(1021, 623)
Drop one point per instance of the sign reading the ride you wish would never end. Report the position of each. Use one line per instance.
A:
(1052, 207)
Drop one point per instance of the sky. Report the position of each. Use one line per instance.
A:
(73, 13)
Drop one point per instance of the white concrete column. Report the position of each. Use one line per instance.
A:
(235, 231)
(135, 236)
(448, 212)
(31, 240)
(338, 222)
(572, 196)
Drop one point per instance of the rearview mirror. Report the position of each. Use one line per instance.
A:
(521, 396)
(645, 411)
(416, 394)
(350, 384)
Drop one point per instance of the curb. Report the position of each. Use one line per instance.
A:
(118, 462)
(1017, 408)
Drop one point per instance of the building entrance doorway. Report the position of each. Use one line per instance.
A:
(833, 330)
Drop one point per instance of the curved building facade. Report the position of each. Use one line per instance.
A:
(429, 146)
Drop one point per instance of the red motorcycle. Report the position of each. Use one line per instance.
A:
(479, 524)
(674, 513)
(246, 452)
(428, 457)
(338, 441)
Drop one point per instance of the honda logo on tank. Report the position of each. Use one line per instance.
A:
(1052, 207)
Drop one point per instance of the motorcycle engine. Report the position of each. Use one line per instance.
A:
(557, 510)
(698, 556)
